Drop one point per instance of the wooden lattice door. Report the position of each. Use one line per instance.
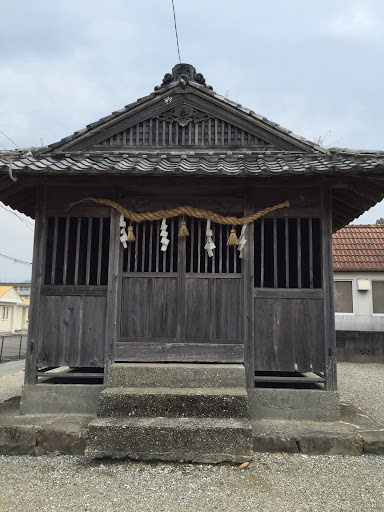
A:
(180, 305)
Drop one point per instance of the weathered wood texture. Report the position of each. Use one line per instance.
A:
(72, 331)
(180, 352)
(36, 285)
(289, 335)
(180, 296)
(329, 310)
(208, 132)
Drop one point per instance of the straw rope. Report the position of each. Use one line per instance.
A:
(198, 213)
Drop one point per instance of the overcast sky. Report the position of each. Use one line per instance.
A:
(313, 67)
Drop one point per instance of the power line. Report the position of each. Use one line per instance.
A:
(177, 37)
(11, 139)
(15, 260)
(3, 147)
(24, 221)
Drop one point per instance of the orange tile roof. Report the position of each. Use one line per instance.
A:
(25, 301)
(4, 289)
(359, 248)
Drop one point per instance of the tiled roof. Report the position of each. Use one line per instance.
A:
(359, 248)
(164, 90)
(25, 301)
(4, 289)
(219, 162)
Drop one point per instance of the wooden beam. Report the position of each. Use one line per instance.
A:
(327, 278)
(38, 264)
(248, 276)
(114, 271)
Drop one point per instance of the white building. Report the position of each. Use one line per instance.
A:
(358, 262)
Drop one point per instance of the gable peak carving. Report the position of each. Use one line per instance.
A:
(183, 115)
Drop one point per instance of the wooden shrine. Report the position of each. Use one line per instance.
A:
(99, 298)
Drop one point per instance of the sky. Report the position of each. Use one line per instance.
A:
(313, 67)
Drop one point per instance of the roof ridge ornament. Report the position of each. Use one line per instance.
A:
(183, 73)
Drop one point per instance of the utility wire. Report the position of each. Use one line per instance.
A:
(3, 147)
(11, 139)
(177, 37)
(15, 260)
(24, 221)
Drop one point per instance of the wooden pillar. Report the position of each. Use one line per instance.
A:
(38, 265)
(114, 272)
(248, 298)
(327, 277)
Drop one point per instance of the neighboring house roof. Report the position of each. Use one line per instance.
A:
(25, 301)
(359, 248)
(4, 290)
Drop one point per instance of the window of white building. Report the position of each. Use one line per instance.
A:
(378, 296)
(5, 313)
(343, 297)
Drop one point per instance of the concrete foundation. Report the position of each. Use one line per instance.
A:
(293, 404)
(60, 399)
(360, 346)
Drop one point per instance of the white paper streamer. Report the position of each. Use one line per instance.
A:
(164, 235)
(209, 246)
(242, 241)
(123, 233)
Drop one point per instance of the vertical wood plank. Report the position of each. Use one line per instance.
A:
(112, 292)
(89, 241)
(327, 277)
(220, 248)
(275, 276)
(150, 266)
(157, 132)
(248, 301)
(180, 290)
(286, 229)
(54, 250)
(100, 250)
(310, 241)
(216, 132)
(39, 249)
(191, 261)
(157, 242)
(262, 253)
(150, 131)
(164, 125)
(198, 244)
(143, 244)
(136, 242)
(65, 264)
(298, 228)
(77, 252)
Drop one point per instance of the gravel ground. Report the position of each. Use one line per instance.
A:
(363, 386)
(272, 483)
(10, 386)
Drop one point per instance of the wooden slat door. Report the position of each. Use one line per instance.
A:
(180, 305)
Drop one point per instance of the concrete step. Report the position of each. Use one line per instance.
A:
(171, 375)
(173, 402)
(204, 440)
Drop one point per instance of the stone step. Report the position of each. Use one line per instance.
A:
(173, 402)
(171, 375)
(203, 440)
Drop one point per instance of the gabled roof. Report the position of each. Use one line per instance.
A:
(9, 295)
(359, 248)
(183, 89)
(4, 289)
